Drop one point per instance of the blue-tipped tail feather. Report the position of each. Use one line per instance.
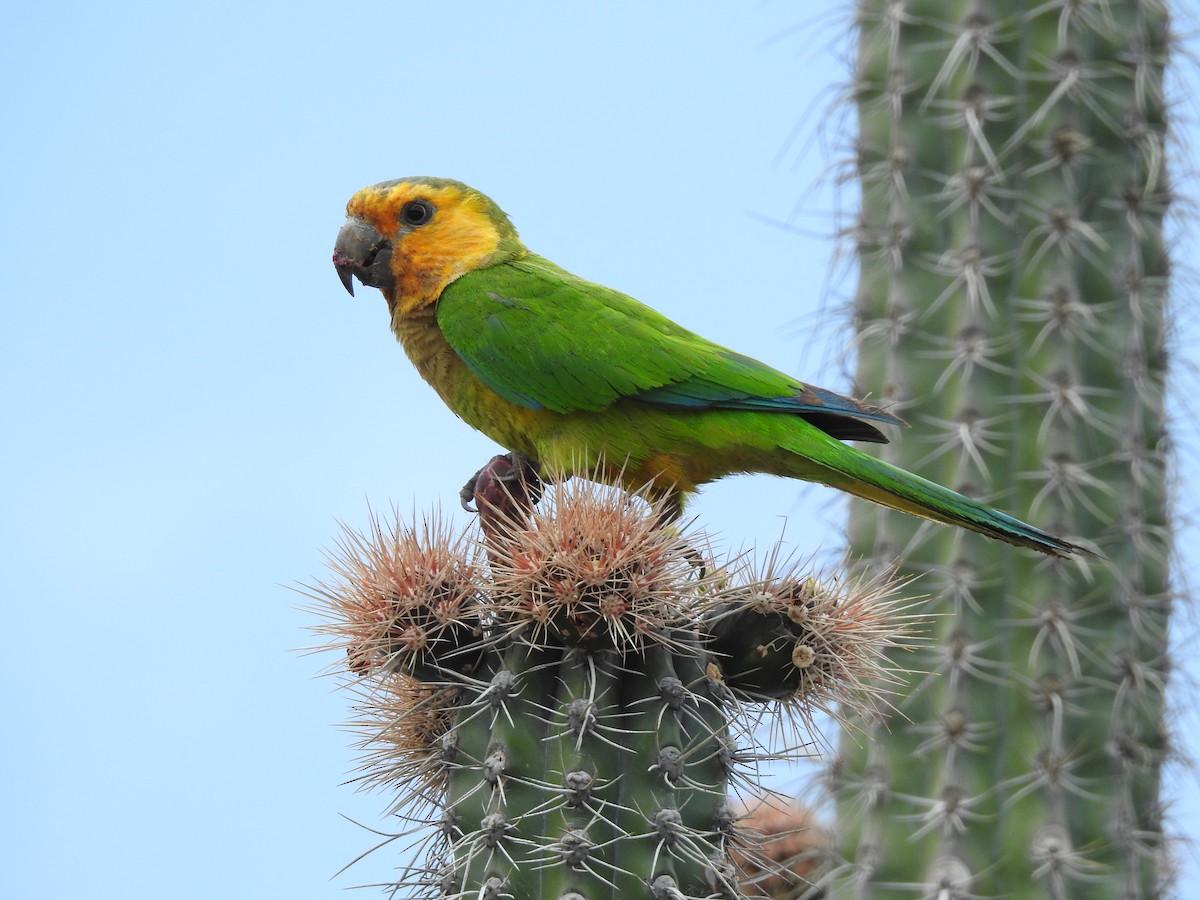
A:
(910, 493)
(872, 479)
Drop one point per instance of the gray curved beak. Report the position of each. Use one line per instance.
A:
(361, 252)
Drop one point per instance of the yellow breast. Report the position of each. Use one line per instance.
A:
(512, 426)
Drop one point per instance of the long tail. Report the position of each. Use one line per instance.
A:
(872, 479)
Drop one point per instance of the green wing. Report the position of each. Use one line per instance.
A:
(545, 339)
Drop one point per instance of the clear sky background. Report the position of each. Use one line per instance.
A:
(190, 399)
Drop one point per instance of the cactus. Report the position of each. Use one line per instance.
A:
(568, 707)
(1012, 303)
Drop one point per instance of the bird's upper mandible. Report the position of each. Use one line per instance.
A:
(361, 252)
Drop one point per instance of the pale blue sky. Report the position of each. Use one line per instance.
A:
(191, 399)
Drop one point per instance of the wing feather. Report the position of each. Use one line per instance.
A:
(546, 339)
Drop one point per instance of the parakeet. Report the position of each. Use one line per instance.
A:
(585, 380)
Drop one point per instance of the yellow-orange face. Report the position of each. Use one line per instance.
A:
(412, 237)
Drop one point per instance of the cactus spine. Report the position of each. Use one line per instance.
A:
(576, 715)
(1012, 304)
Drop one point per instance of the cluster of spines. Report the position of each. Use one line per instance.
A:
(1012, 304)
(592, 726)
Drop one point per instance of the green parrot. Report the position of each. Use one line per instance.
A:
(584, 380)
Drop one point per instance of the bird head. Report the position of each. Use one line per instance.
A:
(412, 237)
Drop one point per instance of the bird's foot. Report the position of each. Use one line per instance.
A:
(507, 482)
(697, 561)
(670, 511)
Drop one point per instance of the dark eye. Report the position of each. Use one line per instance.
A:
(415, 213)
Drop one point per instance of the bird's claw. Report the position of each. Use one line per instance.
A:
(697, 561)
(467, 493)
(515, 474)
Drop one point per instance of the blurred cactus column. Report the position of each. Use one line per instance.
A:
(1012, 305)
